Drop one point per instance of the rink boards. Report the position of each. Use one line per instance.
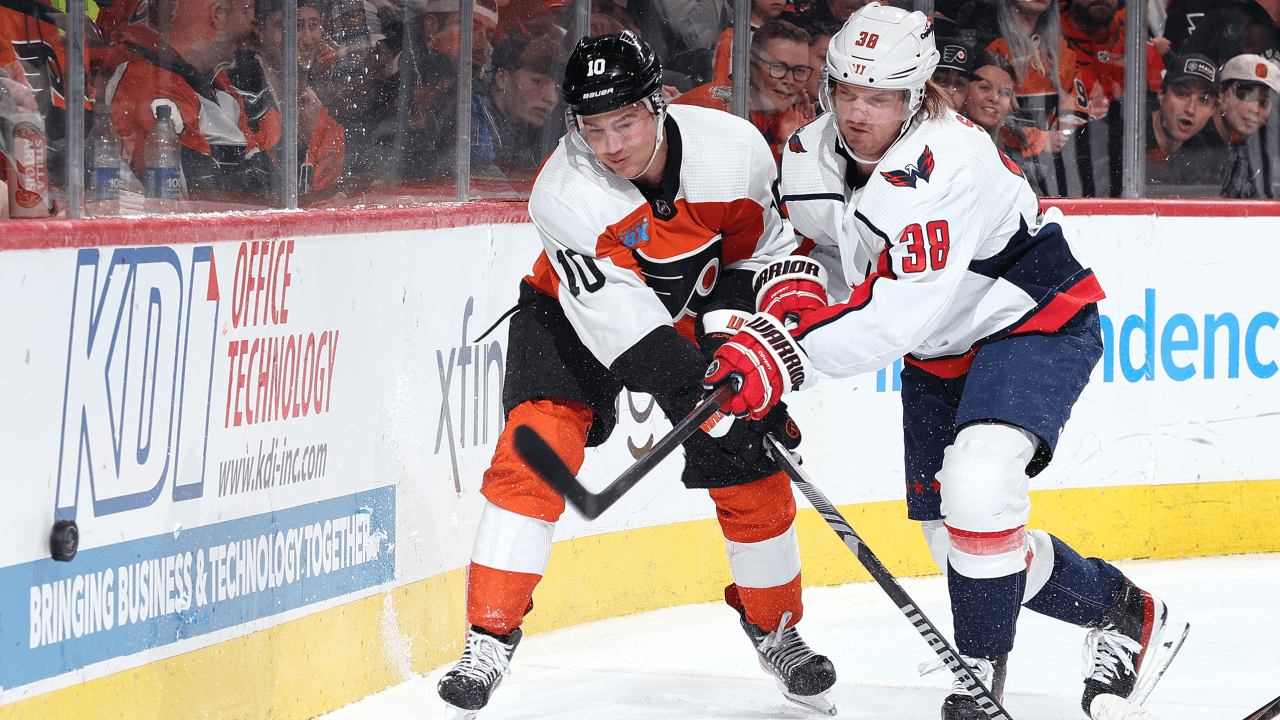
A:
(271, 431)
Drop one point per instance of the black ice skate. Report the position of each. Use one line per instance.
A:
(1129, 651)
(468, 686)
(803, 676)
(960, 705)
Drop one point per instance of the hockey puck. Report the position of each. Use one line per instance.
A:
(64, 540)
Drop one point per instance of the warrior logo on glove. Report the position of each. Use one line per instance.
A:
(760, 352)
(791, 286)
(783, 347)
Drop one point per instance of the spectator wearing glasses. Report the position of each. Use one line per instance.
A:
(779, 104)
(954, 71)
(1250, 84)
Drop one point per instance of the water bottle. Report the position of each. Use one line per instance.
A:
(102, 151)
(164, 160)
(22, 139)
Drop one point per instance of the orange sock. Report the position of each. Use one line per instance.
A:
(498, 600)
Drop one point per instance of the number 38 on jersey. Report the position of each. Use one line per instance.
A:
(927, 247)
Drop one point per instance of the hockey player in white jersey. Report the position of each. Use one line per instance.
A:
(654, 222)
(927, 242)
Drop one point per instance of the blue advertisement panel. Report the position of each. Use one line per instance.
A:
(117, 600)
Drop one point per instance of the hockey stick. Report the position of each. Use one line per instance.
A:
(949, 657)
(1111, 707)
(1267, 712)
(548, 464)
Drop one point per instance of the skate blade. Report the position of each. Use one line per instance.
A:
(1114, 707)
(818, 703)
(456, 713)
(1162, 652)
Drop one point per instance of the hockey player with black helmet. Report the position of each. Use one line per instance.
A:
(654, 221)
(936, 251)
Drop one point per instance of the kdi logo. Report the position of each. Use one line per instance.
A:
(135, 414)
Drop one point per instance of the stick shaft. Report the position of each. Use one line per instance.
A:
(548, 464)
(887, 582)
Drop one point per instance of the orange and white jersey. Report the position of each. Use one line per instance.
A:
(31, 51)
(208, 112)
(622, 263)
(941, 251)
(1035, 90)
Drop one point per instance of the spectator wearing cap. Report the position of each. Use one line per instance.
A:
(1176, 149)
(441, 24)
(1250, 85)
(520, 99)
(1094, 29)
(954, 71)
(778, 103)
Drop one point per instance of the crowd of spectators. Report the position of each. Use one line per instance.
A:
(378, 86)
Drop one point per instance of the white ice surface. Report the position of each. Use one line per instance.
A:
(694, 662)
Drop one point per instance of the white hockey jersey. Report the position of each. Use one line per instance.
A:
(623, 264)
(938, 253)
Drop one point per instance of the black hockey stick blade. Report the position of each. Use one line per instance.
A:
(887, 582)
(1267, 712)
(548, 464)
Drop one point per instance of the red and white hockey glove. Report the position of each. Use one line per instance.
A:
(791, 286)
(770, 362)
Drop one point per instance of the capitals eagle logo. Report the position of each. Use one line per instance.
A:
(921, 170)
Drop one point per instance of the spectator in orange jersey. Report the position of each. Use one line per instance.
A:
(990, 102)
(31, 53)
(1094, 29)
(321, 141)
(221, 149)
(779, 104)
(1049, 86)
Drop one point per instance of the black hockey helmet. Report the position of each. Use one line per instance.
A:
(610, 72)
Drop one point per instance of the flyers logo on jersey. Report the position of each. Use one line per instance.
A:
(921, 170)
(684, 282)
(794, 144)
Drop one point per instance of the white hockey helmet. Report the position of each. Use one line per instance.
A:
(882, 47)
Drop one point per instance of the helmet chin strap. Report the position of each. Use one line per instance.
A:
(661, 117)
